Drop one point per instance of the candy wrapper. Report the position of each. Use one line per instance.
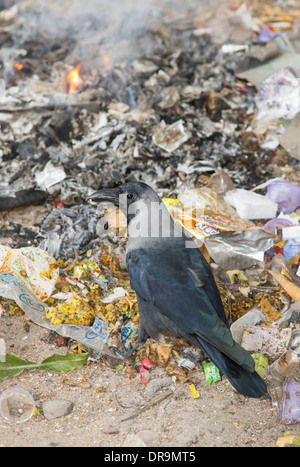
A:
(194, 391)
(212, 373)
(230, 241)
(201, 220)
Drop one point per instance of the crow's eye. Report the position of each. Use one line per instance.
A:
(130, 196)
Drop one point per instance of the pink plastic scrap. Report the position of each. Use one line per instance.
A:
(143, 372)
(285, 194)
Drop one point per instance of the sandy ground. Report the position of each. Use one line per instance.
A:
(108, 410)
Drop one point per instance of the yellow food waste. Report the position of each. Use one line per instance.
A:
(72, 311)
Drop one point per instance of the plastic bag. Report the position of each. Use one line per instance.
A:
(283, 370)
(278, 97)
(276, 223)
(27, 278)
(292, 247)
(285, 194)
(92, 336)
(266, 34)
(32, 266)
(290, 407)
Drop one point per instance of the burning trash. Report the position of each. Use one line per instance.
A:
(73, 79)
(160, 96)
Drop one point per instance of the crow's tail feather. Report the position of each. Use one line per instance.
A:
(246, 383)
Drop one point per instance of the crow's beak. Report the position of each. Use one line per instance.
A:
(108, 194)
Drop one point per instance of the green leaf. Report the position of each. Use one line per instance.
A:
(63, 363)
(14, 365)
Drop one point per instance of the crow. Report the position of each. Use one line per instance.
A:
(176, 291)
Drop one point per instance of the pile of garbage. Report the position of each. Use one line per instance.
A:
(213, 128)
(255, 261)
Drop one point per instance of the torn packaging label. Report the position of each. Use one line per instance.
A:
(212, 373)
(94, 337)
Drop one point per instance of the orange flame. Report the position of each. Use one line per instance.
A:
(73, 79)
(18, 66)
(105, 59)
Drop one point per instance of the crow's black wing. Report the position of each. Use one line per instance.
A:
(169, 282)
(203, 271)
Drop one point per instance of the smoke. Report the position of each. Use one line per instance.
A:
(81, 19)
(90, 30)
(91, 27)
(110, 26)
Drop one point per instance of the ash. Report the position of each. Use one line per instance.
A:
(157, 101)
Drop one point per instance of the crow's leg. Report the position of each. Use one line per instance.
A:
(195, 355)
(128, 354)
(125, 354)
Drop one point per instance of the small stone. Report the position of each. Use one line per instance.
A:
(57, 408)
(156, 384)
(110, 430)
(134, 441)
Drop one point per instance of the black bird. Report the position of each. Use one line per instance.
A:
(176, 291)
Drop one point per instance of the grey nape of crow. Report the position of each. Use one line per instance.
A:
(176, 291)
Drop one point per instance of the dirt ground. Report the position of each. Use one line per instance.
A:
(108, 410)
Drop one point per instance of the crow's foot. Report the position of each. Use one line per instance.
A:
(126, 354)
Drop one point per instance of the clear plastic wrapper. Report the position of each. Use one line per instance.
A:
(283, 382)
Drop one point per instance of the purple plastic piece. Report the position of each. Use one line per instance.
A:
(265, 35)
(285, 194)
(290, 411)
(276, 223)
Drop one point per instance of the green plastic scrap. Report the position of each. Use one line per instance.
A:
(260, 363)
(212, 373)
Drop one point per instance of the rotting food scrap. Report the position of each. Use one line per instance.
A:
(72, 311)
